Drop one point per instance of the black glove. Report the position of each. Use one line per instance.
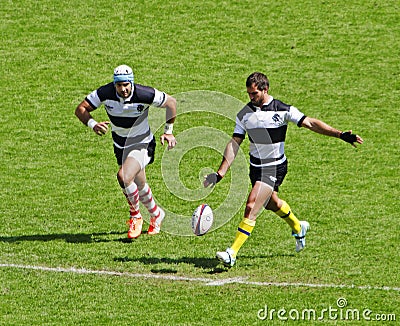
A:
(212, 179)
(348, 137)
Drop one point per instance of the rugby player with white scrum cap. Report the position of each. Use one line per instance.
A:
(127, 105)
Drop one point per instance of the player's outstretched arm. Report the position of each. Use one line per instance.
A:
(322, 128)
(351, 138)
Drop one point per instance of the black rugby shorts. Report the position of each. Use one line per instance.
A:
(271, 175)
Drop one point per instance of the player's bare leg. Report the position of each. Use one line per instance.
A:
(259, 195)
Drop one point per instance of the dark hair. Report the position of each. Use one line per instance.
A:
(259, 79)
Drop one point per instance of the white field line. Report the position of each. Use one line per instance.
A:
(207, 281)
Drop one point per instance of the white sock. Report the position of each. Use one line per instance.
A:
(132, 195)
(146, 198)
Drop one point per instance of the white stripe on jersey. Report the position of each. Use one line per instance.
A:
(140, 129)
(265, 151)
(159, 98)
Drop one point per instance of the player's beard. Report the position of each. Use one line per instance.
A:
(258, 103)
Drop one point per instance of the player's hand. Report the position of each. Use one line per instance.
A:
(351, 138)
(170, 138)
(101, 128)
(211, 179)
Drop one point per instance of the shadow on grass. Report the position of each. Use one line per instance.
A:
(269, 256)
(71, 238)
(203, 263)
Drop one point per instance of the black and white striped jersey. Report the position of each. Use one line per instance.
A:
(128, 117)
(266, 128)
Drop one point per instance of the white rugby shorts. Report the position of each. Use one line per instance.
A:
(140, 155)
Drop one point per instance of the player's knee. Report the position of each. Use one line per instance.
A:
(274, 203)
(122, 179)
(249, 208)
(119, 178)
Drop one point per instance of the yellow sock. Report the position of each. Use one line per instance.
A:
(287, 215)
(243, 232)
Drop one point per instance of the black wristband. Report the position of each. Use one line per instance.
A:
(348, 137)
(219, 177)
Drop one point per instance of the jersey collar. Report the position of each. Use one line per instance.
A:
(264, 107)
(270, 99)
(266, 104)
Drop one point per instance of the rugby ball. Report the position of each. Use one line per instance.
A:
(202, 219)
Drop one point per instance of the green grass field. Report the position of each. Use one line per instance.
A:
(64, 257)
